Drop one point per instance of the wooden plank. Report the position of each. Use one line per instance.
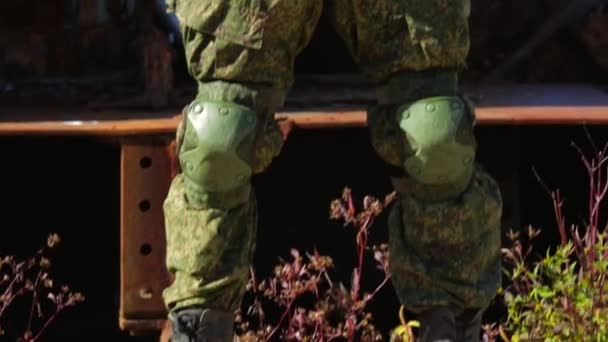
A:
(93, 127)
(535, 115)
(506, 105)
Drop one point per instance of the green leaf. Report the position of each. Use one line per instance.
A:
(508, 297)
(414, 324)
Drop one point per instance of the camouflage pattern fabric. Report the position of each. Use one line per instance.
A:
(257, 41)
(244, 51)
(208, 252)
(447, 253)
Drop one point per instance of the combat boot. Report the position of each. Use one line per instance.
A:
(448, 325)
(202, 325)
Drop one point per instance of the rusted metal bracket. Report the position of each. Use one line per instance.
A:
(145, 180)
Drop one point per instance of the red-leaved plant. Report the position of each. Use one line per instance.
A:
(31, 278)
(314, 307)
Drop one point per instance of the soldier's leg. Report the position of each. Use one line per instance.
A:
(445, 226)
(241, 53)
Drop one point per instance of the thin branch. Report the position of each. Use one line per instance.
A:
(542, 183)
(590, 139)
(287, 311)
(34, 300)
(5, 295)
(379, 287)
(47, 324)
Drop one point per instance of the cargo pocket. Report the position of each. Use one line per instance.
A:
(238, 22)
(235, 27)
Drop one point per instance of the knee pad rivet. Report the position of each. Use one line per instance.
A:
(431, 107)
(467, 161)
(406, 115)
(198, 108)
(241, 178)
(455, 105)
(224, 111)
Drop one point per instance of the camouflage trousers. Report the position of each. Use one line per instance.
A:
(443, 252)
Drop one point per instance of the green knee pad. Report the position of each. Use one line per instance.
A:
(432, 140)
(216, 154)
(437, 131)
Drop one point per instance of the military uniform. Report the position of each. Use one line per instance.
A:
(444, 228)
